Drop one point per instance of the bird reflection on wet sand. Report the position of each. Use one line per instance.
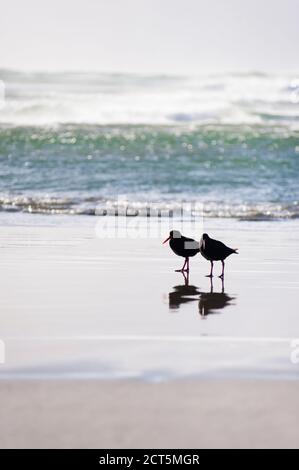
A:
(208, 302)
(183, 294)
(213, 302)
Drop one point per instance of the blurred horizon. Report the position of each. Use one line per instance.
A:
(149, 37)
(199, 74)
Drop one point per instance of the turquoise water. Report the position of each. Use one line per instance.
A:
(71, 143)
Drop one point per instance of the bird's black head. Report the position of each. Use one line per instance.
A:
(205, 236)
(173, 234)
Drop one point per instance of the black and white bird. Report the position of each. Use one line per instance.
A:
(214, 250)
(182, 246)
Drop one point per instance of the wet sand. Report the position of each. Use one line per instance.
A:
(173, 365)
(76, 306)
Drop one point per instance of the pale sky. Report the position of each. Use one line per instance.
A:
(150, 36)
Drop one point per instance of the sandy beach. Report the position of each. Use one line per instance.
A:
(103, 415)
(106, 346)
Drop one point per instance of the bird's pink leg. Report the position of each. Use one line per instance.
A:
(211, 273)
(222, 274)
(183, 268)
(186, 278)
(187, 260)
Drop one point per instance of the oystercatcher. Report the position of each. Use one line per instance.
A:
(182, 246)
(214, 250)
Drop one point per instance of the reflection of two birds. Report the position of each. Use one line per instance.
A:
(208, 302)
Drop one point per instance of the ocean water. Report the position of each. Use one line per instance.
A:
(75, 143)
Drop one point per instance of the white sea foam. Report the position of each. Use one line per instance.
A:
(41, 99)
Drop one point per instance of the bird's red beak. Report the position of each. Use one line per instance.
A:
(165, 241)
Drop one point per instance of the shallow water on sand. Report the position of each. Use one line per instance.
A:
(75, 305)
